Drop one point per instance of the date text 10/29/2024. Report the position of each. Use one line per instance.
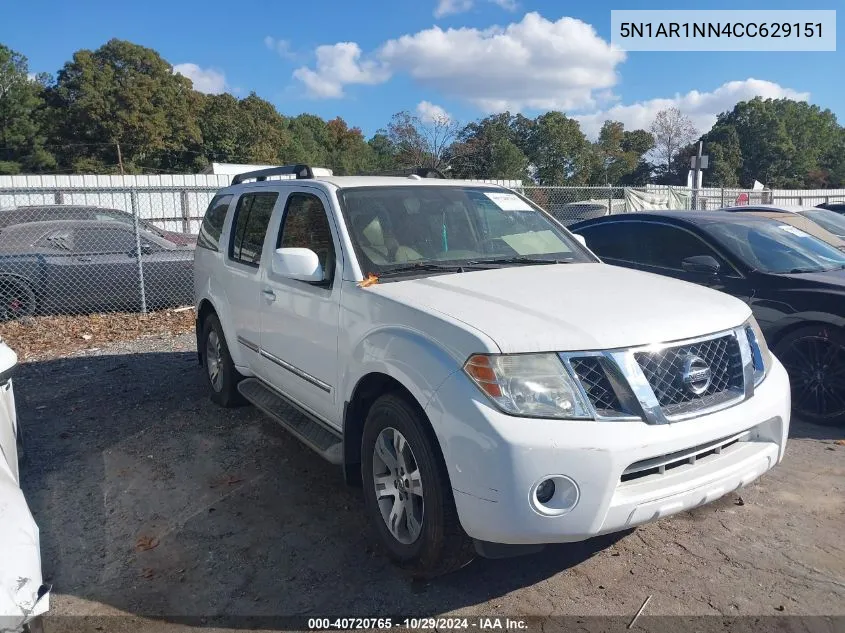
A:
(455, 624)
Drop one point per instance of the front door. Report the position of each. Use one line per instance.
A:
(299, 320)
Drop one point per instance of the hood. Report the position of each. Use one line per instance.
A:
(572, 307)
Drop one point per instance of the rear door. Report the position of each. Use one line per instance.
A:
(251, 218)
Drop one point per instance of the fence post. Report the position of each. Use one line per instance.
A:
(185, 205)
(58, 197)
(723, 198)
(610, 201)
(133, 196)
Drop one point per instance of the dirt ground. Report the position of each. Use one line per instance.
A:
(155, 505)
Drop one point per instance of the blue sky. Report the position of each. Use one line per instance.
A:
(365, 60)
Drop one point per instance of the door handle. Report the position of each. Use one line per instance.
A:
(269, 294)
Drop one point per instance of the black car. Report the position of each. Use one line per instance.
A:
(48, 212)
(75, 266)
(793, 282)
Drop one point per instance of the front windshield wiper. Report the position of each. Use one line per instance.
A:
(520, 260)
(423, 267)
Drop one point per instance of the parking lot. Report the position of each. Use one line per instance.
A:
(155, 503)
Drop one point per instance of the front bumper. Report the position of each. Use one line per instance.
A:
(495, 462)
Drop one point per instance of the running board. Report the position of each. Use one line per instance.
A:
(299, 423)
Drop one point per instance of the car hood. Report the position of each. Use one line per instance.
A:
(830, 278)
(571, 307)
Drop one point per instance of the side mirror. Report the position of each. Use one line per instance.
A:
(301, 264)
(581, 239)
(702, 264)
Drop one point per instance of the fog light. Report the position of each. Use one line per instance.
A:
(554, 495)
(545, 491)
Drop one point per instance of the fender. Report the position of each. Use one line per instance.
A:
(413, 358)
(212, 290)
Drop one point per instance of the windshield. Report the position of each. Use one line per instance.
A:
(392, 227)
(772, 247)
(830, 220)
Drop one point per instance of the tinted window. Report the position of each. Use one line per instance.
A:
(306, 225)
(252, 216)
(612, 240)
(646, 243)
(830, 220)
(212, 223)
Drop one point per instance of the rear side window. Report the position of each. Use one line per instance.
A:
(610, 240)
(252, 216)
(212, 223)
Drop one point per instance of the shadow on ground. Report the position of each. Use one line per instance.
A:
(154, 501)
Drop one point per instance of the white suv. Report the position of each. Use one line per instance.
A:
(488, 380)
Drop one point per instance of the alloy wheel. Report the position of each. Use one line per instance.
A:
(398, 485)
(816, 366)
(214, 360)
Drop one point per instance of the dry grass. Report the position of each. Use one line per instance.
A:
(54, 336)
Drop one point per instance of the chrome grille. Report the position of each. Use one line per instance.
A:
(595, 382)
(664, 371)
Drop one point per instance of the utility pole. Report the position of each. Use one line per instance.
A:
(119, 157)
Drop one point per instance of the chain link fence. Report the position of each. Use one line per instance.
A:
(92, 249)
(82, 248)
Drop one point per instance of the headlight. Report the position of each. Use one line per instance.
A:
(530, 385)
(760, 354)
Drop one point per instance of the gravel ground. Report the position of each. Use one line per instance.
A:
(155, 503)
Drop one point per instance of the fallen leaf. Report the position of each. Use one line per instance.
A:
(369, 280)
(145, 543)
(86, 337)
(739, 501)
(147, 573)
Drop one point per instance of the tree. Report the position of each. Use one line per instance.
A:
(123, 105)
(672, 130)
(421, 143)
(488, 149)
(558, 150)
(349, 153)
(384, 152)
(22, 139)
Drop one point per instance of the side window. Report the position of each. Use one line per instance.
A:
(611, 240)
(667, 246)
(306, 225)
(252, 216)
(212, 223)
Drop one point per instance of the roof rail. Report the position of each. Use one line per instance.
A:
(300, 171)
(420, 172)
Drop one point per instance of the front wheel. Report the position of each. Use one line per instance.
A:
(17, 299)
(814, 358)
(407, 494)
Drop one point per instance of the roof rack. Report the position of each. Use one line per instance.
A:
(299, 171)
(410, 172)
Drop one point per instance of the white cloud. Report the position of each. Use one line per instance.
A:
(429, 112)
(205, 80)
(450, 7)
(282, 47)
(701, 107)
(339, 65)
(531, 64)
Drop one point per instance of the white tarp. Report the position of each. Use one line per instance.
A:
(669, 198)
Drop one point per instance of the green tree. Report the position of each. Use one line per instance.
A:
(22, 137)
(558, 150)
(488, 149)
(384, 152)
(122, 103)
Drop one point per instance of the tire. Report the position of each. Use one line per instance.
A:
(17, 299)
(223, 384)
(433, 543)
(814, 358)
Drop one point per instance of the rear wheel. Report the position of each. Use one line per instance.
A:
(220, 372)
(407, 494)
(17, 299)
(814, 357)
